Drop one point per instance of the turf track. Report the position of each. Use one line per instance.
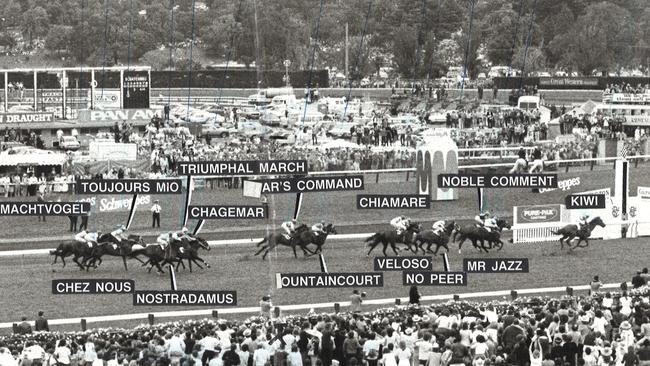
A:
(27, 280)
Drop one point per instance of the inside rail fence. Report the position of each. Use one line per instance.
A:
(334, 307)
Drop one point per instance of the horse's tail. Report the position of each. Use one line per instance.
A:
(373, 237)
(262, 242)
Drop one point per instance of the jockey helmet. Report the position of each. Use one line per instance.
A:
(185, 229)
(294, 220)
(121, 226)
(584, 216)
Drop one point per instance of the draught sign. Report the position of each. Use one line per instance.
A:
(135, 92)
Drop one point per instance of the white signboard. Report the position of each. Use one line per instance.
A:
(109, 150)
(107, 99)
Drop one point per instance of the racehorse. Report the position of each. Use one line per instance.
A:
(317, 239)
(74, 248)
(116, 250)
(391, 238)
(302, 237)
(571, 232)
(189, 250)
(178, 250)
(476, 233)
(429, 237)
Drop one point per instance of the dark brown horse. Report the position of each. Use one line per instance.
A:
(302, 237)
(430, 238)
(391, 238)
(571, 232)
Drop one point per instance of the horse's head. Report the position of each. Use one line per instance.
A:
(330, 229)
(503, 224)
(450, 225)
(596, 221)
(414, 227)
(201, 243)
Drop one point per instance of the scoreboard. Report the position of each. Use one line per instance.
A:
(135, 90)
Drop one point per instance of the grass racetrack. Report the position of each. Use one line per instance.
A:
(26, 280)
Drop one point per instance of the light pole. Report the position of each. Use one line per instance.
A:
(286, 64)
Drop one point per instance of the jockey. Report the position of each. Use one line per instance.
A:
(182, 235)
(87, 237)
(485, 221)
(400, 223)
(480, 218)
(438, 227)
(118, 233)
(318, 228)
(163, 240)
(583, 221)
(289, 227)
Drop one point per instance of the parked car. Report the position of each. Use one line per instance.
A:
(69, 143)
(218, 130)
(341, 130)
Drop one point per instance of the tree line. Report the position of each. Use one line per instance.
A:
(418, 38)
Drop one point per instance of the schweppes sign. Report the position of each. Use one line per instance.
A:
(433, 159)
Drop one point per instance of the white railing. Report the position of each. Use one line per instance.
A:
(326, 305)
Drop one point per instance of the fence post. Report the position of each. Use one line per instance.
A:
(636, 162)
(337, 307)
(407, 175)
(593, 162)
(14, 328)
(83, 325)
(215, 314)
(377, 178)
(398, 302)
(150, 318)
(567, 167)
(513, 295)
(456, 297)
(276, 312)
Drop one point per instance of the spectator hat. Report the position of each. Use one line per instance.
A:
(584, 318)
(416, 318)
(606, 351)
(625, 325)
(426, 318)
(408, 331)
(247, 333)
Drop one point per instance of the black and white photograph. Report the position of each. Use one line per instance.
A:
(324, 183)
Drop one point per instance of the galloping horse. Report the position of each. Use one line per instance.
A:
(302, 237)
(391, 237)
(116, 250)
(74, 248)
(430, 238)
(476, 233)
(571, 232)
(318, 239)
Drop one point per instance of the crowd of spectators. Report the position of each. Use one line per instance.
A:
(627, 88)
(601, 329)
